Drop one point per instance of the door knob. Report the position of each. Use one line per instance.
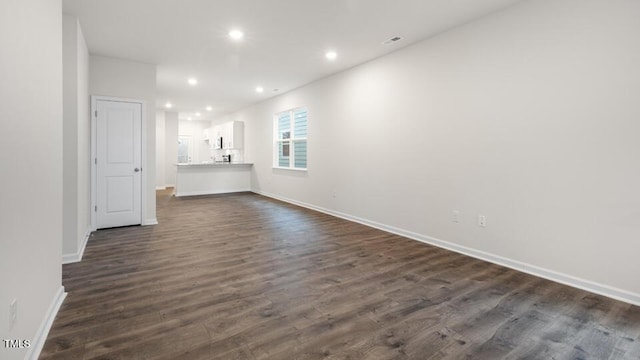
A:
(136, 169)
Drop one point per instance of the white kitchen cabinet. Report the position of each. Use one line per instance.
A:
(211, 135)
(217, 178)
(232, 134)
(208, 134)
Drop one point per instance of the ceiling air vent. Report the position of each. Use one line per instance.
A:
(392, 40)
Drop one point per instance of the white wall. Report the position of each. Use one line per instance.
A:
(76, 140)
(31, 206)
(528, 116)
(84, 142)
(195, 129)
(160, 151)
(70, 133)
(171, 147)
(132, 80)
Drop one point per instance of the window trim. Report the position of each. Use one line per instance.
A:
(290, 140)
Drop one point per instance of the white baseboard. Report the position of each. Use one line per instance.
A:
(147, 222)
(77, 257)
(161, 187)
(45, 326)
(206, 192)
(597, 288)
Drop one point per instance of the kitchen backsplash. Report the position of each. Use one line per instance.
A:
(237, 155)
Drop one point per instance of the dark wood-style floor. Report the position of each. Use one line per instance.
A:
(246, 277)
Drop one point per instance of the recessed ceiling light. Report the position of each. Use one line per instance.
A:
(236, 34)
(209, 108)
(193, 81)
(198, 114)
(189, 118)
(259, 89)
(331, 55)
(168, 105)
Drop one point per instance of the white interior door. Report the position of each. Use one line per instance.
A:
(185, 149)
(118, 163)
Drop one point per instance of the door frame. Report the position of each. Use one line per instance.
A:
(190, 147)
(94, 168)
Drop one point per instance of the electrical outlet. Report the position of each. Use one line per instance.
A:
(13, 313)
(455, 216)
(334, 194)
(482, 221)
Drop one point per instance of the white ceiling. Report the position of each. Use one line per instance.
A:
(284, 46)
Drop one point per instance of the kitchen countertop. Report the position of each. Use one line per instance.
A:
(215, 164)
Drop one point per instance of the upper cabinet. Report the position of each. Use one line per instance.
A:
(208, 134)
(232, 134)
(235, 135)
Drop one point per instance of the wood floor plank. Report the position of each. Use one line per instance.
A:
(241, 276)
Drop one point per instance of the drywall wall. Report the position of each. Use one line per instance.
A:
(70, 133)
(528, 116)
(171, 147)
(132, 80)
(31, 206)
(84, 143)
(76, 140)
(160, 150)
(195, 131)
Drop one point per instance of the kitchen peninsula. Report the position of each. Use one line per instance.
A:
(212, 178)
(222, 142)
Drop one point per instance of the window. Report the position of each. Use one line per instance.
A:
(290, 139)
